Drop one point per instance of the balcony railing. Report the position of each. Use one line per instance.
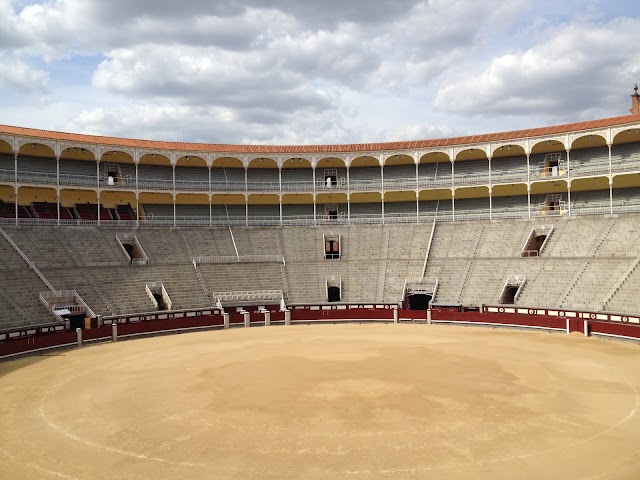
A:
(460, 179)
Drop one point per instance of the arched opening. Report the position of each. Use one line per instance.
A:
(399, 172)
(34, 202)
(297, 175)
(5, 148)
(155, 172)
(80, 204)
(297, 208)
(548, 159)
(434, 170)
(331, 172)
(227, 174)
(192, 174)
(333, 294)
(117, 170)
(121, 205)
(36, 164)
(365, 173)
(419, 301)
(262, 175)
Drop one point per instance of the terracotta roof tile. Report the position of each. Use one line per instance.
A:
(311, 149)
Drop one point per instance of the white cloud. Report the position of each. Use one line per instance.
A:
(313, 71)
(17, 75)
(581, 70)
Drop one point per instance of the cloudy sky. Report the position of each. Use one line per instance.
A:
(313, 71)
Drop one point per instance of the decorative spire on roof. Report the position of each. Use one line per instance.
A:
(635, 101)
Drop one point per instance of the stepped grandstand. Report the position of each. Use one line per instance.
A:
(96, 227)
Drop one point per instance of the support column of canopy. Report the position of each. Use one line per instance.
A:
(453, 204)
(58, 186)
(610, 182)
(15, 187)
(98, 189)
(246, 194)
(280, 190)
(173, 170)
(490, 202)
(313, 170)
(490, 190)
(137, 209)
(528, 185)
(210, 195)
(453, 191)
(568, 183)
(610, 194)
(136, 161)
(382, 185)
(348, 196)
(417, 163)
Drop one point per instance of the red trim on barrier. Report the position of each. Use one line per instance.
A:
(128, 325)
(610, 328)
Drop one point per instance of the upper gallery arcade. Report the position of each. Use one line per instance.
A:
(488, 174)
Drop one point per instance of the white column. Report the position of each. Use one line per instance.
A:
(58, 186)
(135, 162)
(417, 190)
(173, 196)
(210, 198)
(611, 195)
(313, 169)
(382, 187)
(98, 198)
(98, 188)
(173, 182)
(453, 205)
(528, 185)
(246, 195)
(610, 181)
(453, 192)
(280, 190)
(348, 196)
(490, 203)
(246, 209)
(15, 178)
(569, 181)
(314, 209)
(137, 210)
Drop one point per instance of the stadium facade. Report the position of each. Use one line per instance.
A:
(540, 220)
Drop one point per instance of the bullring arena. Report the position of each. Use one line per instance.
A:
(340, 401)
(449, 308)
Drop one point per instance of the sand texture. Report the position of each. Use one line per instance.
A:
(326, 401)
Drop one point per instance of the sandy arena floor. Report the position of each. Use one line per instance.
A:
(323, 402)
